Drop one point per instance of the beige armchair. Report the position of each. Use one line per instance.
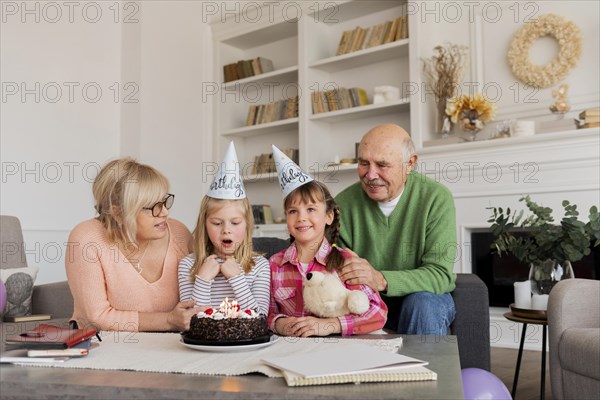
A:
(574, 338)
(50, 298)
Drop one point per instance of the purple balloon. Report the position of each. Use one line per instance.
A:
(479, 384)
(2, 296)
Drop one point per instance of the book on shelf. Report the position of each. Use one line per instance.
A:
(247, 68)
(271, 112)
(351, 40)
(591, 119)
(589, 125)
(343, 41)
(45, 336)
(390, 35)
(332, 100)
(27, 318)
(265, 65)
(349, 363)
(387, 30)
(264, 163)
(363, 98)
(362, 38)
(403, 28)
(358, 39)
(376, 35)
(367, 38)
(590, 112)
(251, 118)
(338, 99)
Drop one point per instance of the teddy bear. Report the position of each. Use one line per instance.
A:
(326, 296)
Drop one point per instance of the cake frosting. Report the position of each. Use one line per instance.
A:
(228, 323)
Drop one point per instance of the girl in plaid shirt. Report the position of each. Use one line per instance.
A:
(313, 223)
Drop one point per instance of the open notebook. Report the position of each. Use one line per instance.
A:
(352, 363)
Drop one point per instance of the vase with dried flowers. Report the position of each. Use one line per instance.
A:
(470, 112)
(444, 70)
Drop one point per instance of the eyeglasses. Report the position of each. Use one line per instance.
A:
(157, 208)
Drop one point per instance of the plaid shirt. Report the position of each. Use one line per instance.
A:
(286, 292)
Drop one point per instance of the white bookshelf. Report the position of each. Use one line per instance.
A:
(303, 54)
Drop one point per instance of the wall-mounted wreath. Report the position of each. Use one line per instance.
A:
(569, 40)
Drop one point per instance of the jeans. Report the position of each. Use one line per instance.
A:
(421, 313)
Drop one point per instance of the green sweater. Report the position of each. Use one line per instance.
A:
(415, 247)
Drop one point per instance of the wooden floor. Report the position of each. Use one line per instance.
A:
(504, 362)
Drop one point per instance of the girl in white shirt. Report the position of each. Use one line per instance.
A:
(223, 263)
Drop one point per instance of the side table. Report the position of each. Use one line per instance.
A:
(539, 320)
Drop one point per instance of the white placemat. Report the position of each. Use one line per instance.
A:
(163, 352)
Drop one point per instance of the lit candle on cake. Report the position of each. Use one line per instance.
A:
(229, 309)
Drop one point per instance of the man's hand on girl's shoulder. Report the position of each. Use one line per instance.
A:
(358, 271)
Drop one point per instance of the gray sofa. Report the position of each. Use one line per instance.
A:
(574, 338)
(471, 326)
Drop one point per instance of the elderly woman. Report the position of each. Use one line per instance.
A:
(122, 265)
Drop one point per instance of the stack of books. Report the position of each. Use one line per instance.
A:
(264, 163)
(338, 99)
(589, 118)
(246, 68)
(364, 38)
(47, 343)
(274, 111)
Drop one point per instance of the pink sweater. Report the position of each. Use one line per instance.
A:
(108, 292)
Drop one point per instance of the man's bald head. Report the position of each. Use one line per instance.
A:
(386, 156)
(392, 135)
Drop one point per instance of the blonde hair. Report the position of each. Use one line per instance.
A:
(202, 245)
(121, 189)
(315, 191)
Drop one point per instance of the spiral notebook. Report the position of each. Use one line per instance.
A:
(352, 363)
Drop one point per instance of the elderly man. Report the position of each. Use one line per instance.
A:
(401, 227)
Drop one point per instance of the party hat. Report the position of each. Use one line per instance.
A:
(228, 182)
(289, 173)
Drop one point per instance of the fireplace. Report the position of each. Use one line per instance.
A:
(499, 273)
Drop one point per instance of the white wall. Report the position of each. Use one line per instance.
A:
(53, 141)
(176, 57)
(151, 55)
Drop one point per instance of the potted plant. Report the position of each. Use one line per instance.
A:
(548, 248)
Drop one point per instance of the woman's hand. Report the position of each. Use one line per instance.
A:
(307, 326)
(179, 317)
(209, 269)
(230, 268)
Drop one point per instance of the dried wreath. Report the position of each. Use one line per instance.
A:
(569, 40)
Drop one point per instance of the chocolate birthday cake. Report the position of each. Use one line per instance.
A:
(228, 324)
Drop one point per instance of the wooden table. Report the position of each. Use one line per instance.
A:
(525, 321)
(42, 382)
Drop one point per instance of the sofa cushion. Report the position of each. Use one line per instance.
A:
(19, 289)
(579, 351)
(54, 299)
